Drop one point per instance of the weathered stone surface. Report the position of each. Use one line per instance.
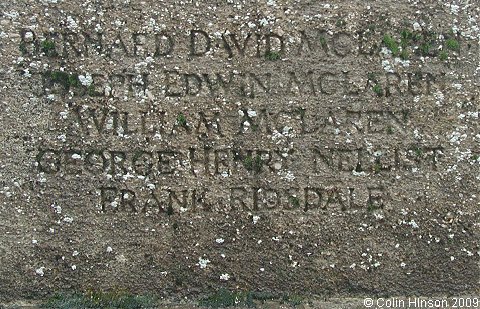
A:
(179, 147)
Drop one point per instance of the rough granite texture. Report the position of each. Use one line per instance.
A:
(321, 149)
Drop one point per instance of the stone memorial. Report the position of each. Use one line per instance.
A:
(305, 148)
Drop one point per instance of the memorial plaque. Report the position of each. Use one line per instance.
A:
(291, 147)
